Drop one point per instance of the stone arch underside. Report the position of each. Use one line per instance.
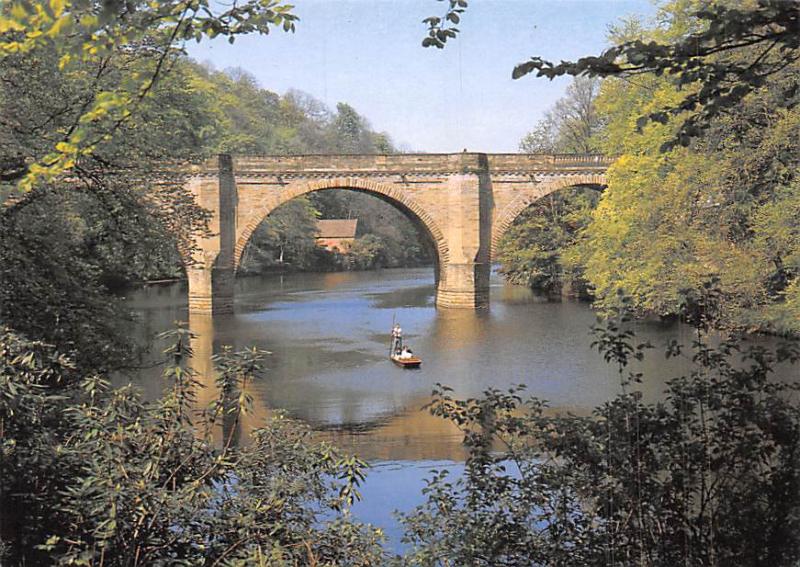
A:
(506, 216)
(392, 195)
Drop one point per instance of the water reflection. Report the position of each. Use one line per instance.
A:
(329, 337)
(201, 326)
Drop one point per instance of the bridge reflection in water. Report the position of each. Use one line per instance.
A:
(413, 435)
(329, 337)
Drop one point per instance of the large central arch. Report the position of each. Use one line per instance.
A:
(407, 205)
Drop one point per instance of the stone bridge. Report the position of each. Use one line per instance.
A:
(463, 202)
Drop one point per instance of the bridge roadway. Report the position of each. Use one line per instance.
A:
(464, 202)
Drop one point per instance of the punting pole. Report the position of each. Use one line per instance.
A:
(391, 335)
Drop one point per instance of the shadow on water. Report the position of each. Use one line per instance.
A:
(421, 296)
(329, 335)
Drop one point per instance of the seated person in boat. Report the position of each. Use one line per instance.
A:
(406, 353)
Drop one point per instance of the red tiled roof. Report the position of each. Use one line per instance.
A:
(337, 228)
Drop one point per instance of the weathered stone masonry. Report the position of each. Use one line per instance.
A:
(464, 202)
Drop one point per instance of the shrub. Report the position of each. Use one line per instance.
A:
(95, 476)
(709, 476)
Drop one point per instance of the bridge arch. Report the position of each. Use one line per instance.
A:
(506, 217)
(392, 195)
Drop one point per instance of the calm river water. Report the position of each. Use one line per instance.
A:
(329, 339)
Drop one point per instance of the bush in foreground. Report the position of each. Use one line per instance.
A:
(94, 476)
(709, 476)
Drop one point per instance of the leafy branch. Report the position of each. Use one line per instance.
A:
(442, 29)
(81, 31)
(707, 63)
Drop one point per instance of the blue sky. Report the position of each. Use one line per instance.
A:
(367, 53)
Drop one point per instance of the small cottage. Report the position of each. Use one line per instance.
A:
(336, 235)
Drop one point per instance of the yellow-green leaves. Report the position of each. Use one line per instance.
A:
(671, 221)
(85, 34)
(92, 128)
(24, 25)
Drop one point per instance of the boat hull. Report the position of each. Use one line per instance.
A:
(412, 362)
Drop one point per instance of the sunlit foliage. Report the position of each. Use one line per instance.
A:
(535, 249)
(720, 206)
(673, 220)
(103, 35)
(723, 52)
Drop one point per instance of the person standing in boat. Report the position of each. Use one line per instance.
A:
(397, 338)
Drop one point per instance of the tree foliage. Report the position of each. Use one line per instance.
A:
(531, 251)
(571, 125)
(65, 243)
(729, 51)
(709, 476)
(81, 33)
(672, 221)
(94, 476)
(93, 95)
(286, 237)
(440, 29)
(675, 218)
(118, 216)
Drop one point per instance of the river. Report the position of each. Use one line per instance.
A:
(329, 339)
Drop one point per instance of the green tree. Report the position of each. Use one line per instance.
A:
(366, 253)
(65, 243)
(707, 477)
(531, 252)
(95, 476)
(348, 130)
(723, 53)
(678, 216)
(94, 94)
(286, 237)
(671, 221)
(571, 125)
(109, 35)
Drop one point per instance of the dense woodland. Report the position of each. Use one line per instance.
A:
(700, 219)
(71, 249)
(723, 208)
(197, 111)
(244, 118)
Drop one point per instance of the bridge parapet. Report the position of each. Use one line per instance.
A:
(313, 165)
(548, 162)
(354, 164)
